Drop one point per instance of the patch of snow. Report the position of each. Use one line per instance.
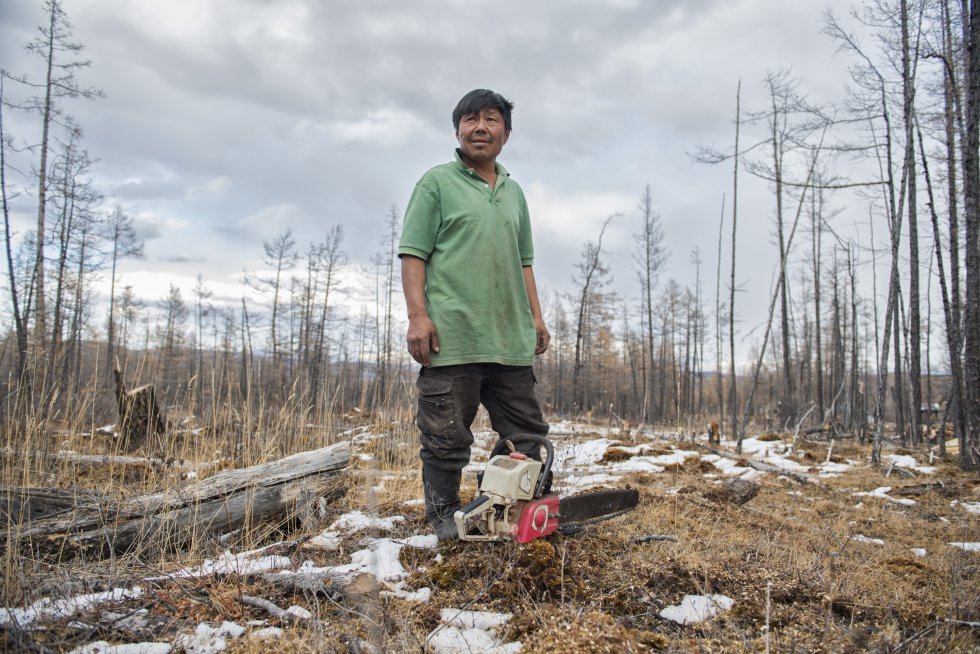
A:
(103, 647)
(637, 464)
(299, 612)
(422, 541)
(419, 502)
(918, 551)
(207, 639)
(351, 523)
(49, 609)
(754, 446)
(244, 563)
(830, 468)
(380, 559)
(588, 481)
(582, 454)
(327, 540)
(355, 521)
(972, 507)
(907, 461)
(968, 547)
(861, 538)
(474, 619)
(788, 465)
(267, 633)
(420, 595)
(882, 493)
(462, 632)
(697, 608)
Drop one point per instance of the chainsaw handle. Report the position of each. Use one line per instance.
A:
(501, 447)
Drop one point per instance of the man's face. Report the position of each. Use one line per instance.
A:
(481, 136)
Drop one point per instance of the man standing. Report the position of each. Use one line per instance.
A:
(474, 320)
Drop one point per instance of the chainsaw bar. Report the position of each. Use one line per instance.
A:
(589, 508)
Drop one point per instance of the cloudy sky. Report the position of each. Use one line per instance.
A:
(227, 121)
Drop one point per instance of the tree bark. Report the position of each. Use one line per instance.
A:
(229, 500)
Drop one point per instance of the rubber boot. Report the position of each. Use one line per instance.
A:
(441, 500)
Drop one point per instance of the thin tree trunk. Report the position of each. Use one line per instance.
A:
(733, 387)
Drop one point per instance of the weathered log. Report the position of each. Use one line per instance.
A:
(108, 460)
(224, 502)
(24, 505)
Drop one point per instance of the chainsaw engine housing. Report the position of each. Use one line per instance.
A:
(505, 507)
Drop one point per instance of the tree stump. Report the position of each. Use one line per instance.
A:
(140, 417)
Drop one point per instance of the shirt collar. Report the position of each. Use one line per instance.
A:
(501, 171)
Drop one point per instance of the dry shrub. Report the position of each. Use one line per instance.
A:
(769, 437)
(615, 455)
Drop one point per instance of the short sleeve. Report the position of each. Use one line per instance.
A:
(423, 217)
(525, 243)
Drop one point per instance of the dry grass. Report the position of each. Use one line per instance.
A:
(791, 558)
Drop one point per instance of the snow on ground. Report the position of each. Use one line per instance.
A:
(908, 462)
(103, 647)
(918, 551)
(882, 492)
(730, 468)
(861, 538)
(351, 523)
(969, 547)
(50, 609)
(582, 454)
(575, 484)
(207, 639)
(462, 632)
(830, 469)
(970, 507)
(244, 563)
(697, 608)
(379, 559)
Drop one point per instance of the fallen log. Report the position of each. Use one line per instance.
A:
(229, 500)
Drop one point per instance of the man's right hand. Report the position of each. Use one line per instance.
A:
(422, 339)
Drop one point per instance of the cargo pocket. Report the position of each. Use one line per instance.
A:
(437, 415)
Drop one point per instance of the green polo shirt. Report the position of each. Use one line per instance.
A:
(475, 241)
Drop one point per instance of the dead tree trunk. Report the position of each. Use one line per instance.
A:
(229, 500)
(139, 414)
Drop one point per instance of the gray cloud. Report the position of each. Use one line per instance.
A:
(229, 121)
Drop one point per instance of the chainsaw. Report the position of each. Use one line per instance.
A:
(513, 501)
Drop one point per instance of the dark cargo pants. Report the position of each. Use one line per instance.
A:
(448, 399)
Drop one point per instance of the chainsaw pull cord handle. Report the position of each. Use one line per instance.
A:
(510, 441)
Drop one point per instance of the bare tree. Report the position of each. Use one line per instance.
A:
(280, 256)
(592, 275)
(19, 314)
(650, 256)
(60, 55)
(124, 244)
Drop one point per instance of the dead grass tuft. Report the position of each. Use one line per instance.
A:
(591, 632)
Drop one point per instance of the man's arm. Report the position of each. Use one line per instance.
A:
(532, 295)
(422, 335)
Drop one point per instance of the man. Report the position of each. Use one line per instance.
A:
(474, 320)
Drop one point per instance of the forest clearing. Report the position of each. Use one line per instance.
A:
(755, 303)
(834, 555)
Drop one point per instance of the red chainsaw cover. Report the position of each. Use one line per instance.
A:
(539, 518)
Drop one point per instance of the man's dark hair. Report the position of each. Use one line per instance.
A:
(479, 99)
